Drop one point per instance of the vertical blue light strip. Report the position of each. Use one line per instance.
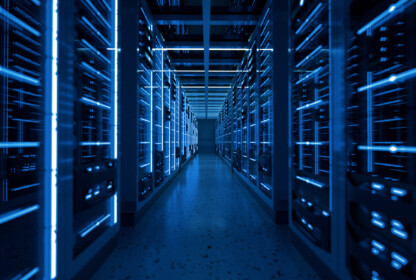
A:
(369, 124)
(151, 121)
(115, 80)
(115, 197)
(54, 141)
(163, 105)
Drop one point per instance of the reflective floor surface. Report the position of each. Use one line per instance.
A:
(206, 225)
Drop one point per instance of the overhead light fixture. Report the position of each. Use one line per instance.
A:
(202, 49)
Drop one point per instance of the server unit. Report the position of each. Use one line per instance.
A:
(95, 164)
(161, 121)
(381, 128)
(24, 102)
(246, 123)
(317, 109)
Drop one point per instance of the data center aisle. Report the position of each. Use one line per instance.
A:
(205, 226)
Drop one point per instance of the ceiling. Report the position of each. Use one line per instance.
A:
(206, 41)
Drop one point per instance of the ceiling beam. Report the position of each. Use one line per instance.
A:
(200, 61)
(187, 19)
(199, 45)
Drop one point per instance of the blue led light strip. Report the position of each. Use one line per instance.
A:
(18, 76)
(393, 9)
(53, 119)
(93, 225)
(395, 78)
(309, 76)
(30, 274)
(6, 217)
(310, 36)
(309, 19)
(310, 56)
(94, 143)
(320, 101)
(307, 143)
(6, 145)
(18, 22)
(311, 181)
(94, 103)
(392, 149)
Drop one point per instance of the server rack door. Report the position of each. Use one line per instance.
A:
(145, 106)
(381, 128)
(23, 78)
(95, 158)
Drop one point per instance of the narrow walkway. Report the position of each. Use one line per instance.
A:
(205, 225)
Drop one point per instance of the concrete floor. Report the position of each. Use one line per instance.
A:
(206, 225)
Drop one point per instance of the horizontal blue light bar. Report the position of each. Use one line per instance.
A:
(310, 105)
(307, 143)
(377, 186)
(310, 181)
(94, 103)
(6, 217)
(310, 56)
(313, 33)
(309, 18)
(25, 187)
(399, 233)
(310, 75)
(19, 22)
(94, 143)
(93, 225)
(378, 245)
(94, 71)
(265, 186)
(395, 78)
(392, 149)
(30, 274)
(377, 223)
(398, 192)
(93, 49)
(19, 144)
(18, 76)
(393, 9)
(402, 260)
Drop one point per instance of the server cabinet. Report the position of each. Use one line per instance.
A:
(381, 128)
(25, 97)
(95, 158)
(145, 106)
(158, 112)
(311, 127)
(265, 140)
(317, 129)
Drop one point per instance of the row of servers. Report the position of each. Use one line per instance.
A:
(351, 131)
(60, 145)
(244, 125)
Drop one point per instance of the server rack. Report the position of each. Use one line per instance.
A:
(381, 128)
(158, 112)
(317, 106)
(245, 125)
(145, 106)
(265, 105)
(25, 94)
(310, 100)
(95, 158)
(167, 118)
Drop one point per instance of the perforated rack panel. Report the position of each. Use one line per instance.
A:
(310, 125)
(145, 106)
(94, 163)
(22, 77)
